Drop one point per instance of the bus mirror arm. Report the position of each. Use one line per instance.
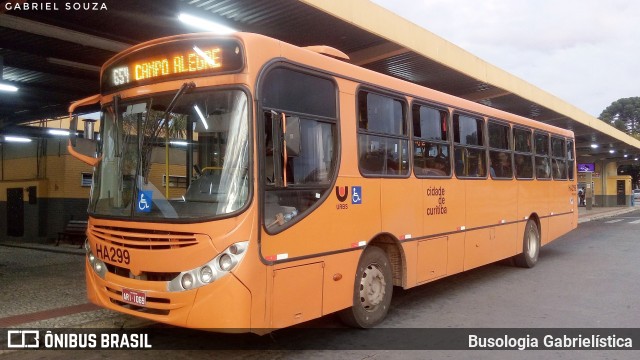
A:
(91, 161)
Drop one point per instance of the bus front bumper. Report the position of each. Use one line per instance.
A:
(223, 306)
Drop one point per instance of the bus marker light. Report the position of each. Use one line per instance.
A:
(405, 237)
(276, 257)
(237, 248)
(462, 228)
(358, 244)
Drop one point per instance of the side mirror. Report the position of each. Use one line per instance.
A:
(73, 129)
(292, 136)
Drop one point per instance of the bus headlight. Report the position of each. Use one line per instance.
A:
(187, 281)
(225, 262)
(214, 269)
(98, 265)
(206, 274)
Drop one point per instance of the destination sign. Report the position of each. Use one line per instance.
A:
(173, 60)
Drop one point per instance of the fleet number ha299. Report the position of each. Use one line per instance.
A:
(113, 254)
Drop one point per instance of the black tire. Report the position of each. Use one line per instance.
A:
(372, 290)
(530, 246)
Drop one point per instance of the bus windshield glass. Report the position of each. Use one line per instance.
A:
(185, 162)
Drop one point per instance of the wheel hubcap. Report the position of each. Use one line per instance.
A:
(532, 244)
(372, 287)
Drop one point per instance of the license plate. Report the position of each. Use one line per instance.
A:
(134, 297)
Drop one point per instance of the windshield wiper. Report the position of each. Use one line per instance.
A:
(186, 86)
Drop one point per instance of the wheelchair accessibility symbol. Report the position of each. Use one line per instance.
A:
(144, 201)
(356, 195)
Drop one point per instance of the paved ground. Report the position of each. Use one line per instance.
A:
(34, 295)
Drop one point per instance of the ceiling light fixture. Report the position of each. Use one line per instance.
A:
(6, 87)
(205, 24)
(19, 139)
(58, 132)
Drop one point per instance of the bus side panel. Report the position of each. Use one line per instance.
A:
(533, 198)
(339, 278)
(297, 294)
(432, 257)
(490, 203)
(444, 209)
(505, 195)
(562, 207)
(399, 214)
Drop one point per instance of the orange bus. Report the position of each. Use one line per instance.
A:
(245, 184)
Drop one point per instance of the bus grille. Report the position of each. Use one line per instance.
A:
(143, 239)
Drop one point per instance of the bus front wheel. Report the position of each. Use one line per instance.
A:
(530, 246)
(372, 290)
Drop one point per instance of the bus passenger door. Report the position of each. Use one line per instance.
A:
(299, 218)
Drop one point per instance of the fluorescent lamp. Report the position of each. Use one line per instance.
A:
(202, 119)
(626, 155)
(205, 24)
(178, 143)
(5, 87)
(594, 146)
(17, 139)
(58, 132)
(611, 151)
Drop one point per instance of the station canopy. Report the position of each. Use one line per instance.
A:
(54, 56)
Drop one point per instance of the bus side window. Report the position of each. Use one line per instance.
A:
(499, 150)
(559, 169)
(570, 160)
(430, 145)
(543, 166)
(523, 158)
(469, 146)
(383, 139)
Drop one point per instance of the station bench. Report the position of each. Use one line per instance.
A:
(74, 232)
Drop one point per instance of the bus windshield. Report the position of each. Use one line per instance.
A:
(185, 162)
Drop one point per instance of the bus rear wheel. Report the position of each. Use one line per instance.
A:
(530, 246)
(372, 292)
